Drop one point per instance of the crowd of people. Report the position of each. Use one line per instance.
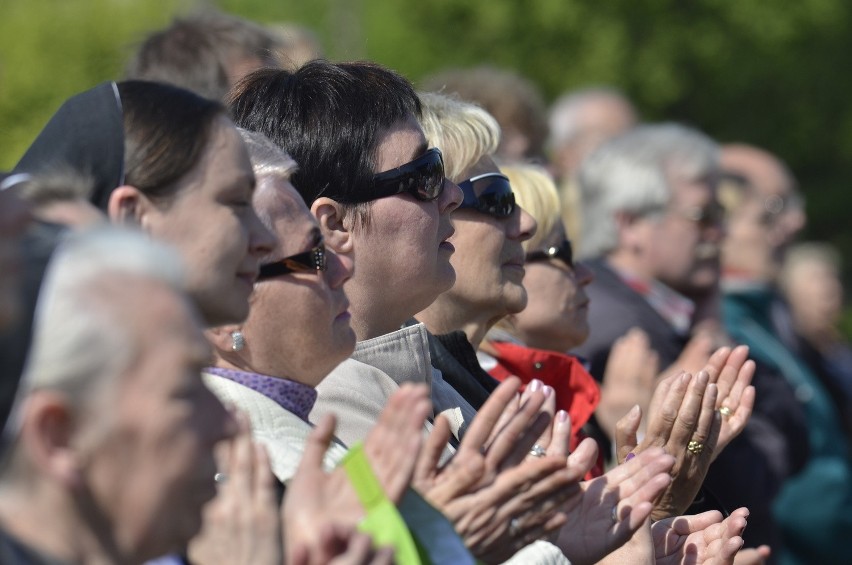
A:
(257, 307)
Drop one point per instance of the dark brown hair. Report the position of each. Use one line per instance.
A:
(166, 130)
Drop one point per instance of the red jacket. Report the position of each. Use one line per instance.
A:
(576, 391)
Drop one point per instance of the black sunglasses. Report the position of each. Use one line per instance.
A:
(564, 252)
(309, 261)
(423, 178)
(496, 199)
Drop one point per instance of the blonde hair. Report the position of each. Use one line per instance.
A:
(536, 193)
(463, 132)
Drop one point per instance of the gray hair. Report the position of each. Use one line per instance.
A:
(628, 174)
(268, 161)
(80, 336)
(564, 118)
(266, 157)
(60, 184)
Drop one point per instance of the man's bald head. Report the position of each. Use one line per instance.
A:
(765, 210)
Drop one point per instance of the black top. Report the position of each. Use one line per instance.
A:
(86, 135)
(15, 552)
(454, 356)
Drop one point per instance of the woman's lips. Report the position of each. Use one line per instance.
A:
(345, 315)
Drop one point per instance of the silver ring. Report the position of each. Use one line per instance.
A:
(514, 527)
(538, 451)
(615, 513)
(220, 478)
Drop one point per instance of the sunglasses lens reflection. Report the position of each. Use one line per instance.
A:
(496, 199)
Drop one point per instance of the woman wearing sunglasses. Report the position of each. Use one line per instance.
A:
(381, 201)
(269, 366)
(531, 343)
(492, 232)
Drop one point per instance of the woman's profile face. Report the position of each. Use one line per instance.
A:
(405, 249)
(489, 257)
(211, 221)
(557, 307)
(298, 327)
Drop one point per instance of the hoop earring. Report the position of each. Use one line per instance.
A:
(238, 341)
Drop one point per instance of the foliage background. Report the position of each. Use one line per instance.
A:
(760, 71)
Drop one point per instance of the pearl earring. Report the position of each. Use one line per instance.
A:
(238, 341)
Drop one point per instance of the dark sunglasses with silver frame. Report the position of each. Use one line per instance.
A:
(564, 252)
(313, 260)
(495, 195)
(422, 178)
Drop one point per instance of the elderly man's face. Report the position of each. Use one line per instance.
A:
(150, 462)
(683, 248)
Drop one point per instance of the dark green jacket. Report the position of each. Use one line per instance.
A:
(814, 507)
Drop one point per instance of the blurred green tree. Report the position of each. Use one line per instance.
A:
(750, 70)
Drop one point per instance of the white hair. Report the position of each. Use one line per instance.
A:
(628, 174)
(565, 121)
(266, 157)
(80, 336)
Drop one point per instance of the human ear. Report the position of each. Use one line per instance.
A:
(329, 214)
(127, 205)
(47, 430)
(221, 337)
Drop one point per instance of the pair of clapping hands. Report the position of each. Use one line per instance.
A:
(498, 496)
(693, 416)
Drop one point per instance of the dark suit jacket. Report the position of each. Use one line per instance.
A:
(614, 309)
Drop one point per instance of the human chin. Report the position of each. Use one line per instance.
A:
(514, 297)
(446, 274)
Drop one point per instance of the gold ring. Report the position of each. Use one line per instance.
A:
(725, 411)
(694, 447)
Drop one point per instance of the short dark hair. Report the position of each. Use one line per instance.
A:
(195, 52)
(329, 118)
(166, 130)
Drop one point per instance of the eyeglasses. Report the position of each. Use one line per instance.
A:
(309, 261)
(712, 215)
(423, 178)
(564, 252)
(495, 199)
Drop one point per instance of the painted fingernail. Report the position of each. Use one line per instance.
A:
(535, 385)
(548, 390)
(630, 456)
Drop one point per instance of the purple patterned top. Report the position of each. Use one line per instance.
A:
(294, 397)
